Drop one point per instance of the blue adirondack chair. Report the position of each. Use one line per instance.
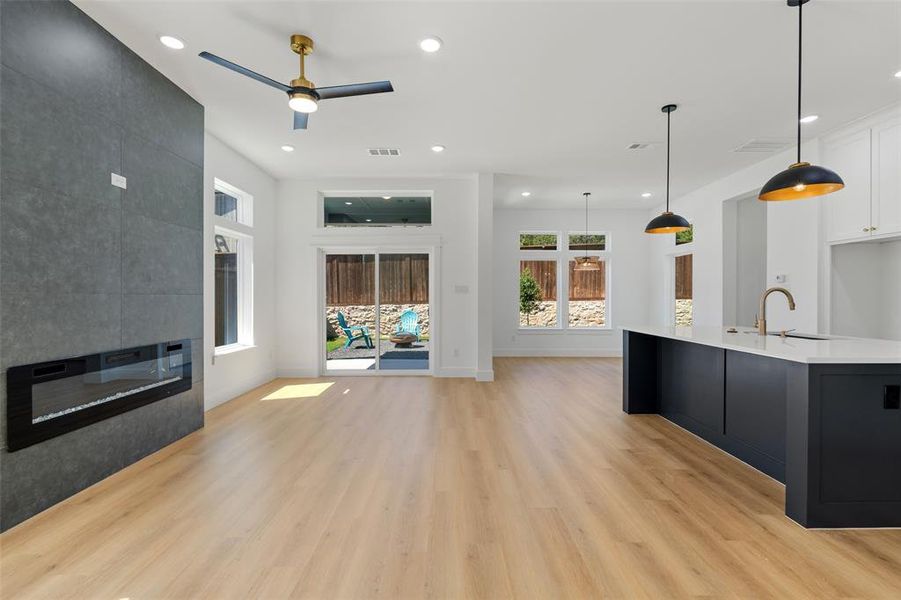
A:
(349, 332)
(409, 323)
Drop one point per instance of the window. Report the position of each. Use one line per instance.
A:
(377, 211)
(682, 276)
(546, 271)
(685, 237)
(537, 241)
(538, 293)
(233, 267)
(587, 296)
(592, 241)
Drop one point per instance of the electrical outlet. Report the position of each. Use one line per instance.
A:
(118, 180)
(456, 352)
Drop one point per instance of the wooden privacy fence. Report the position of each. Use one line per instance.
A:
(583, 285)
(683, 277)
(350, 279)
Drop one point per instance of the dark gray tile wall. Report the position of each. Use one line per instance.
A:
(84, 266)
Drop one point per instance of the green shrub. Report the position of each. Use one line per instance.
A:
(529, 294)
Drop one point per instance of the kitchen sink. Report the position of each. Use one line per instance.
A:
(802, 336)
(792, 334)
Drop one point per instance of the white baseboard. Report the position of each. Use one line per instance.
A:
(560, 352)
(214, 399)
(292, 372)
(485, 375)
(455, 372)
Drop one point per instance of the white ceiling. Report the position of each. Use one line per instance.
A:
(546, 94)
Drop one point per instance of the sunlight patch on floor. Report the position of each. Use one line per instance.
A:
(298, 390)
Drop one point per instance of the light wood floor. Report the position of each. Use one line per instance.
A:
(534, 486)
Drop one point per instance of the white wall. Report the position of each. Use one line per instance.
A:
(744, 258)
(454, 227)
(229, 375)
(485, 258)
(628, 297)
(793, 248)
(866, 290)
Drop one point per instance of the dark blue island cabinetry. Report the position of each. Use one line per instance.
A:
(816, 415)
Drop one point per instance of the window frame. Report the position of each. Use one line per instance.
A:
(244, 233)
(562, 256)
(670, 291)
(323, 194)
(245, 203)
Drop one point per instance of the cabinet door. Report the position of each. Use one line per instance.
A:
(848, 210)
(887, 178)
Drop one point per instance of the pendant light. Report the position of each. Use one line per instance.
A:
(587, 263)
(802, 179)
(667, 222)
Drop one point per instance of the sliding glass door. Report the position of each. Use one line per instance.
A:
(350, 312)
(377, 312)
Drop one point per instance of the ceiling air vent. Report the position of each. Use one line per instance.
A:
(760, 145)
(384, 152)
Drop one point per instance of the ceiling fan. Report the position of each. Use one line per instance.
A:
(303, 96)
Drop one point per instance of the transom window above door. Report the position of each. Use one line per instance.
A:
(371, 210)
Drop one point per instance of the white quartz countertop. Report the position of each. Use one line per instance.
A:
(836, 350)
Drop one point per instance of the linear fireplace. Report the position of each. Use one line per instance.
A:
(48, 399)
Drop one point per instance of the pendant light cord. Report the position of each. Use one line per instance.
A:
(800, 29)
(667, 158)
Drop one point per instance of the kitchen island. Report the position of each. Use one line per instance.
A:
(820, 415)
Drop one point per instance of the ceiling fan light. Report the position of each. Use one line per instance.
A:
(304, 103)
(667, 222)
(799, 181)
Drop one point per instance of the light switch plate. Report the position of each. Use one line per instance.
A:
(461, 289)
(118, 180)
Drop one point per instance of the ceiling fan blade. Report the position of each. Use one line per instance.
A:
(354, 89)
(300, 120)
(244, 71)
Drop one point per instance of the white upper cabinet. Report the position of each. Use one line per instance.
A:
(848, 210)
(869, 161)
(886, 200)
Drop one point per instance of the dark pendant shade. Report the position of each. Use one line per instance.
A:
(801, 180)
(667, 223)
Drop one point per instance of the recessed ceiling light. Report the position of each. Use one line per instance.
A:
(898, 74)
(646, 195)
(526, 194)
(369, 220)
(348, 203)
(171, 42)
(430, 44)
(386, 197)
(437, 148)
(288, 148)
(809, 118)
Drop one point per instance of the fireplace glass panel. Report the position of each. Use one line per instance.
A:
(52, 399)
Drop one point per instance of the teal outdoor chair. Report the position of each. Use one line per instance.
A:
(349, 332)
(409, 323)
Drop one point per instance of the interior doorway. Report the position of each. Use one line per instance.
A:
(377, 313)
(744, 259)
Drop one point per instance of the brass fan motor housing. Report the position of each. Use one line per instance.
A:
(302, 82)
(301, 44)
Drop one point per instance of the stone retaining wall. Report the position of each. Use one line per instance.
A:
(365, 315)
(683, 312)
(582, 313)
